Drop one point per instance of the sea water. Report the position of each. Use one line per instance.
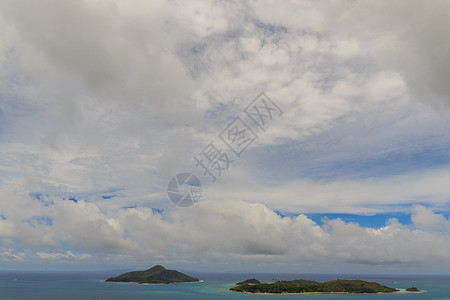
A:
(91, 285)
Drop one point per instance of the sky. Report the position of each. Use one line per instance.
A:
(103, 102)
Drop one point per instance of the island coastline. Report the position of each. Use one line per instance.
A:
(155, 275)
(302, 286)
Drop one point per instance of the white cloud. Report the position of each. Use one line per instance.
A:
(373, 195)
(58, 256)
(226, 230)
(112, 98)
(426, 219)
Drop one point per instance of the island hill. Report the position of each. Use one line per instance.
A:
(300, 286)
(155, 275)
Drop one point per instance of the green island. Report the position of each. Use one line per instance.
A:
(248, 281)
(301, 286)
(412, 289)
(155, 275)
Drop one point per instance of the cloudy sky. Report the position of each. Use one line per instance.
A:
(103, 102)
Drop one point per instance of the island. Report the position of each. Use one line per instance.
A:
(412, 289)
(155, 275)
(302, 286)
(248, 281)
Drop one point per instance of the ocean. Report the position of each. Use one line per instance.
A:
(90, 285)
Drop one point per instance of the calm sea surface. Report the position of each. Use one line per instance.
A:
(82, 285)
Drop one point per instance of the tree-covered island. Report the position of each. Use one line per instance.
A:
(154, 275)
(308, 286)
(249, 281)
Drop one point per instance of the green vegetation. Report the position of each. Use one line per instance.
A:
(248, 281)
(156, 274)
(412, 289)
(308, 286)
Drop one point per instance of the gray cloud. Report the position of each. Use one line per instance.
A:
(90, 42)
(109, 98)
(408, 36)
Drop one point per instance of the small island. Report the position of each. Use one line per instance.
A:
(301, 286)
(155, 275)
(249, 281)
(412, 289)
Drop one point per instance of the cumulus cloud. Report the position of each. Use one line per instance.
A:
(222, 230)
(426, 219)
(47, 222)
(102, 101)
